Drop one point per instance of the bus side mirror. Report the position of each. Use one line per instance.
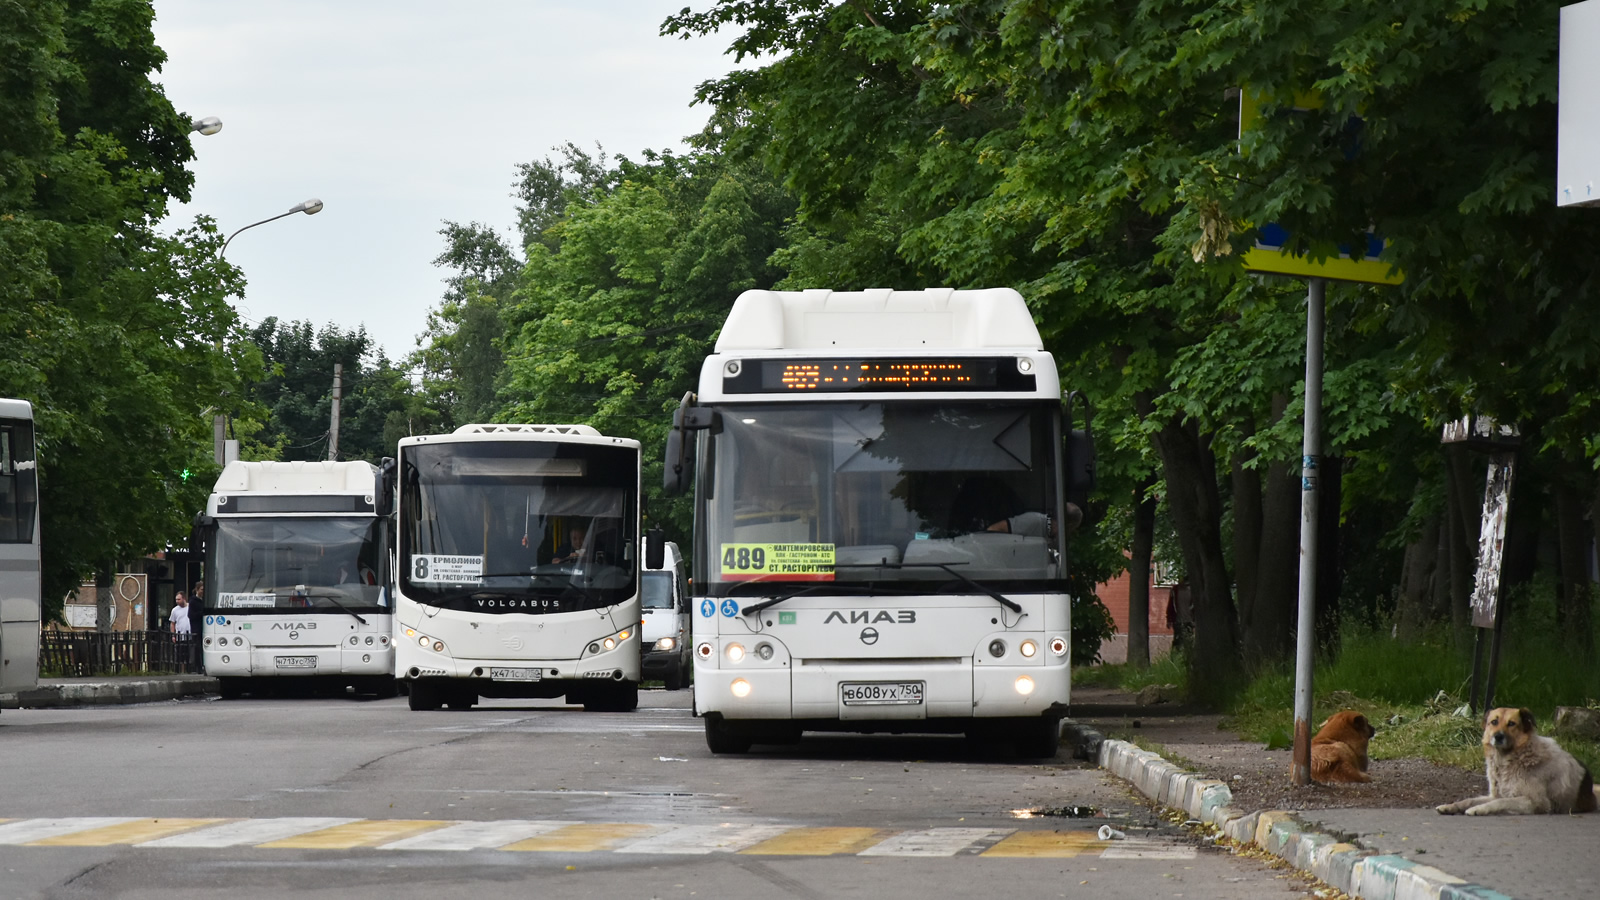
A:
(383, 503)
(200, 533)
(675, 473)
(1080, 466)
(655, 548)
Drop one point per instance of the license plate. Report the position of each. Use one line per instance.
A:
(296, 662)
(515, 674)
(882, 693)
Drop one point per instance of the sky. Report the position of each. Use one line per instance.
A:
(399, 115)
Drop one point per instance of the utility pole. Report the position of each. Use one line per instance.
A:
(333, 429)
(1311, 457)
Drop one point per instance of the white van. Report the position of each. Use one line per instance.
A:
(665, 596)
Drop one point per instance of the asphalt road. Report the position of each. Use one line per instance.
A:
(347, 798)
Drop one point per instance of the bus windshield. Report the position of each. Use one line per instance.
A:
(293, 564)
(875, 494)
(19, 493)
(518, 526)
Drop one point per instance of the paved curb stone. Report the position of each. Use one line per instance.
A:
(106, 693)
(1352, 869)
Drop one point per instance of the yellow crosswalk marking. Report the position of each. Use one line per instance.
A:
(126, 833)
(1047, 844)
(581, 838)
(366, 833)
(819, 842)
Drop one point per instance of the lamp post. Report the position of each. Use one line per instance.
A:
(209, 125)
(309, 207)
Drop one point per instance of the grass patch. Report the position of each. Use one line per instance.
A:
(1170, 669)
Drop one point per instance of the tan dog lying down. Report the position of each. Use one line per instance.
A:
(1528, 773)
(1339, 751)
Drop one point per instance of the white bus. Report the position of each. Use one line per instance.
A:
(881, 514)
(296, 578)
(19, 549)
(518, 566)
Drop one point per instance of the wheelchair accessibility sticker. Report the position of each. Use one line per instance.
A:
(730, 608)
(707, 608)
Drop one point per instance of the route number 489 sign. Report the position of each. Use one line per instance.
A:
(778, 562)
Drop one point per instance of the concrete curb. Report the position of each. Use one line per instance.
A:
(1348, 867)
(107, 693)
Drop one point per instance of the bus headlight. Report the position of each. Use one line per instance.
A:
(1024, 685)
(736, 653)
(740, 688)
(1058, 646)
(666, 643)
(610, 643)
(1028, 649)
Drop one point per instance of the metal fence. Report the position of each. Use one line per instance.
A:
(80, 654)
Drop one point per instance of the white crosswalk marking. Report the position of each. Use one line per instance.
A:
(476, 835)
(934, 841)
(247, 832)
(702, 839)
(29, 830)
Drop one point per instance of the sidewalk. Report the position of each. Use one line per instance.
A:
(58, 693)
(1380, 841)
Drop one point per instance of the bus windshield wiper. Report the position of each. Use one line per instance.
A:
(331, 599)
(1005, 601)
(754, 608)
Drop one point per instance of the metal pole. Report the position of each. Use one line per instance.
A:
(333, 428)
(1310, 454)
(219, 435)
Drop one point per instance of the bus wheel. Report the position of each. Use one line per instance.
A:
(623, 697)
(463, 699)
(230, 688)
(424, 696)
(722, 738)
(1038, 738)
(387, 686)
(673, 679)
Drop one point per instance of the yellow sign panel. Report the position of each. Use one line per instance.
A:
(787, 562)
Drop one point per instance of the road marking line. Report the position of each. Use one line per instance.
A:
(819, 842)
(125, 833)
(476, 835)
(360, 833)
(247, 831)
(582, 838)
(1052, 844)
(26, 831)
(703, 839)
(934, 841)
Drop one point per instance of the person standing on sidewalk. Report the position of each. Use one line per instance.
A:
(197, 612)
(178, 622)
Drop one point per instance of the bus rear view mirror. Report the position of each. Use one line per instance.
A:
(687, 418)
(655, 548)
(200, 532)
(383, 504)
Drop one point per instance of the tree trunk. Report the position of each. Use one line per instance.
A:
(1415, 607)
(1144, 531)
(1573, 617)
(1191, 479)
(1246, 539)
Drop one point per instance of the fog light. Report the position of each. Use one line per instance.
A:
(666, 643)
(764, 650)
(1024, 685)
(735, 652)
(1029, 648)
(594, 648)
(997, 648)
(740, 687)
(704, 650)
(1058, 646)
(438, 646)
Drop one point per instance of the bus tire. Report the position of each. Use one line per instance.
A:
(673, 680)
(722, 738)
(387, 686)
(463, 698)
(1038, 738)
(230, 688)
(622, 697)
(424, 697)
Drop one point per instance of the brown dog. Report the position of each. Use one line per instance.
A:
(1528, 773)
(1339, 751)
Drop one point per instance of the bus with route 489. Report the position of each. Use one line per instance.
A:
(884, 487)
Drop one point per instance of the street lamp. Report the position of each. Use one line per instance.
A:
(310, 207)
(208, 125)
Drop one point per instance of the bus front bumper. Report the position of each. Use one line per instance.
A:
(956, 690)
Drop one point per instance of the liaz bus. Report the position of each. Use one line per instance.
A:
(881, 519)
(296, 576)
(518, 568)
(19, 549)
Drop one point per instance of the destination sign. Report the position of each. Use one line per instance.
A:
(931, 374)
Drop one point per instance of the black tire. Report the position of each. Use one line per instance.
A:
(230, 688)
(722, 738)
(388, 686)
(1038, 738)
(622, 697)
(673, 680)
(425, 697)
(462, 698)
